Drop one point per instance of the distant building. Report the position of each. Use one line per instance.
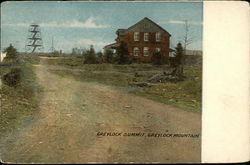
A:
(193, 53)
(77, 51)
(187, 52)
(191, 57)
(143, 39)
(2, 56)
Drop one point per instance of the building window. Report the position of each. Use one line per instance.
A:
(158, 37)
(145, 51)
(158, 50)
(145, 36)
(136, 51)
(136, 36)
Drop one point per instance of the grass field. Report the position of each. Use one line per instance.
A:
(185, 95)
(18, 104)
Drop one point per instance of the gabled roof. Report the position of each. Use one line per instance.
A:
(146, 25)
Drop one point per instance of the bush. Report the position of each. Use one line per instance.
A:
(11, 55)
(90, 57)
(108, 56)
(100, 58)
(12, 78)
(11, 52)
(122, 54)
(157, 58)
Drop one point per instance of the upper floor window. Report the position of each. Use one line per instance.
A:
(136, 51)
(145, 36)
(145, 51)
(158, 37)
(136, 36)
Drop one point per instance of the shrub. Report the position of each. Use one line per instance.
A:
(12, 78)
(122, 54)
(11, 52)
(157, 58)
(108, 56)
(90, 57)
(100, 58)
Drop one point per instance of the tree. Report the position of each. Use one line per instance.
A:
(108, 56)
(90, 57)
(178, 71)
(122, 54)
(55, 53)
(11, 52)
(84, 52)
(187, 39)
(100, 57)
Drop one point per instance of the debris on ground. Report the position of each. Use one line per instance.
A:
(166, 76)
(141, 84)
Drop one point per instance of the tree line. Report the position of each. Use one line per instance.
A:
(120, 57)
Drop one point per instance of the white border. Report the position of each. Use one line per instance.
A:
(225, 117)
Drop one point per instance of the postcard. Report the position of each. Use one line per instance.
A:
(102, 82)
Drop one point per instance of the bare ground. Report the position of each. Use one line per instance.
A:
(71, 114)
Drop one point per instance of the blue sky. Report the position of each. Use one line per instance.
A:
(80, 24)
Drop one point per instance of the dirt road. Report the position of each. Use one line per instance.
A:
(72, 113)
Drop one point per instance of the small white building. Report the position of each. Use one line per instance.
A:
(2, 56)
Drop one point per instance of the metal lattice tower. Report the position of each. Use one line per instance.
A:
(34, 41)
(52, 48)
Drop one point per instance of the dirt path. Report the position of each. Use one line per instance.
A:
(72, 113)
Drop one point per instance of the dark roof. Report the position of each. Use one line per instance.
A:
(121, 32)
(146, 25)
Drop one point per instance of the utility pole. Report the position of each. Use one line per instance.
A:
(34, 40)
(52, 48)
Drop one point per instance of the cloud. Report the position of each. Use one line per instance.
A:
(183, 22)
(88, 23)
(88, 42)
(17, 24)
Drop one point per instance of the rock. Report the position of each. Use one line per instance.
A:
(127, 106)
(164, 77)
(69, 115)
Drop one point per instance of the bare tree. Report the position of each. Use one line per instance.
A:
(180, 51)
(187, 38)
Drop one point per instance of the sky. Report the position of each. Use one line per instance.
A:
(81, 24)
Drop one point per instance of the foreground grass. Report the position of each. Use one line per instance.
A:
(185, 95)
(18, 104)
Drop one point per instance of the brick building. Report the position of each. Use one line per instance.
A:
(143, 39)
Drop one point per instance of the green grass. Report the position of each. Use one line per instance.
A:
(18, 104)
(69, 62)
(78, 63)
(185, 94)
